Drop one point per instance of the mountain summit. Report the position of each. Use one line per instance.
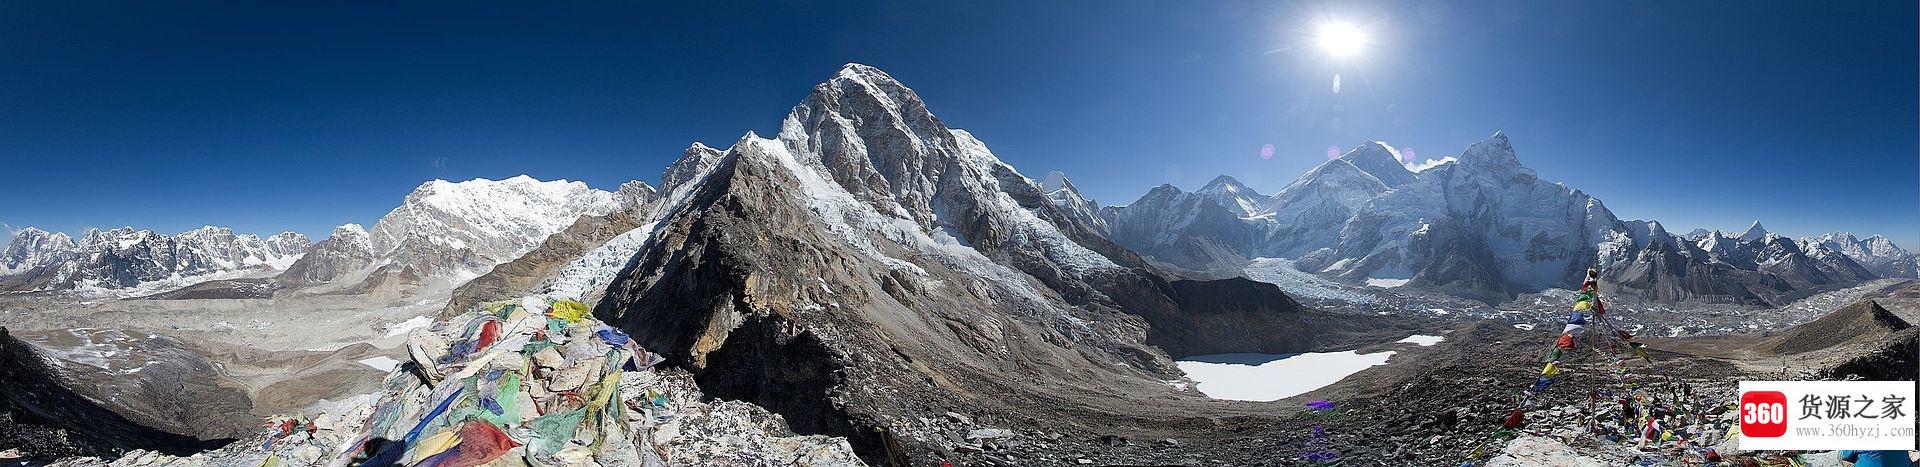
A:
(869, 245)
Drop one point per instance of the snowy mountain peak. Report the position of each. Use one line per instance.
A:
(867, 135)
(496, 220)
(1754, 232)
(635, 194)
(353, 233)
(31, 248)
(1055, 181)
(1494, 152)
(1380, 160)
(1229, 193)
(692, 162)
(1060, 191)
(1228, 185)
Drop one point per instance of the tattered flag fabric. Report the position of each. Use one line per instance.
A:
(1565, 342)
(569, 310)
(1515, 419)
(1552, 370)
(1582, 305)
(1574, 330)
(1576, 318)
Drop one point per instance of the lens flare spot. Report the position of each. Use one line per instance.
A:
(1266, 151)
(1333, 152)
(1406, 154)
(1336, 83)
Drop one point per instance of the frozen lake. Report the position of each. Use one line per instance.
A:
(1270, 377)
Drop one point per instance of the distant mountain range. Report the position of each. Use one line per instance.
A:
(446, 231)
(1482, 226)
(125, 259)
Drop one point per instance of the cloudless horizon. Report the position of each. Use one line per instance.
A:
(271, 117)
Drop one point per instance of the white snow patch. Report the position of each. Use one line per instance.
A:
(1386, 283)
(382, 363)
(1267, 377)
(1422, 340)
(592, 271)
(403, 327)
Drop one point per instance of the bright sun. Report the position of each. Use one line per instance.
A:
(1341, 39)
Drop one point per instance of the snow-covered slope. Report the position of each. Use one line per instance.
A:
(125, 261)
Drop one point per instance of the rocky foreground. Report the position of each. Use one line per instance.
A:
(530, 382)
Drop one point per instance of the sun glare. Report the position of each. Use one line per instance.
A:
(1341, 39)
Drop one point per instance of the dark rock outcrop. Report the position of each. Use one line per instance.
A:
(43, 416)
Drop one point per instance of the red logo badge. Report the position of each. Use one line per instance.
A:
(1763, 414)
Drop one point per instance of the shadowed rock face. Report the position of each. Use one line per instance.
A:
(870, 269)
(42, 415)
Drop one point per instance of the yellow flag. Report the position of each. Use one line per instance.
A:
(1582, 305)
(1552, 369)
(569, 310)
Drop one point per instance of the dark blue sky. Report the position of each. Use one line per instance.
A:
(267, 117)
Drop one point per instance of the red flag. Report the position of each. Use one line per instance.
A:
(1565, 342)
(488, 333)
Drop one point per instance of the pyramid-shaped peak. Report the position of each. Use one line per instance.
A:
(1495, 150)
(856, 70)
(1754, 232)
(1224, 182)
(1372, 150)
(1056, 181)
(863, 76)
(1380, 160)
